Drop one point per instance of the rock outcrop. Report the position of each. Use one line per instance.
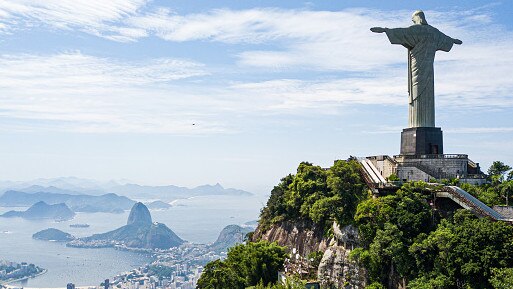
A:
(336, 269)
(139, 233)
(229, 236)
(303, 236)
(139, 215)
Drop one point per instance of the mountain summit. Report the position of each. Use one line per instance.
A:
(139, 232)
(139, 215)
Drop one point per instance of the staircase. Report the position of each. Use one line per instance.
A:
(469, 202)
(370, 174)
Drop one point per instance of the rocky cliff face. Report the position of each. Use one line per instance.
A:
(139, 232)
(139, 215)
(335, 270)
(303, 236)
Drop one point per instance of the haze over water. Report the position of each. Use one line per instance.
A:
(198, 220)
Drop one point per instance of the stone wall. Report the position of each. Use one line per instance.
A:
(407, 173)
(437, 167)
(385, 165)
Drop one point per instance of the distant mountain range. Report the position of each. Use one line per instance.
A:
(169, 193)
(110, 203)
(77, 186)
(42, 210)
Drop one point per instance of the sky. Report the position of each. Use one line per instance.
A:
(237, 92)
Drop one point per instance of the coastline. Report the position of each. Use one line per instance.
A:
(6, 284)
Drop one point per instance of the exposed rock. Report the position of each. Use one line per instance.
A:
(139, 215)
(229, 236)
(139, 232)
(53, 234)
(303, 236)
(336, 269)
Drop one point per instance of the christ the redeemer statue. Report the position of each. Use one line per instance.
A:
(422, 41)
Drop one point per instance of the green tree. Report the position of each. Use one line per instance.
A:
(506, 189)
(257, 262)
(245, 265)
(502, 278)
(464, 251)
(388, 225)
(317, 195)
(308, 186)
(276, 210)
(375, 285)
(219, 275)
(345, 183)
(497, 171)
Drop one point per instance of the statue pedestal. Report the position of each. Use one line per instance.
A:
(422, 141)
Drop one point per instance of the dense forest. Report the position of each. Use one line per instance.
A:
(403, 237)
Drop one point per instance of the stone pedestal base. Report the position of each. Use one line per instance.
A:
(422, 141)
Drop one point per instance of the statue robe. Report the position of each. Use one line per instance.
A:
(422, 42)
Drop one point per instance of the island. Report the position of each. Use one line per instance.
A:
(42, 210)
(53, 234)
(11, 271)
(158, 205)
(139, 233)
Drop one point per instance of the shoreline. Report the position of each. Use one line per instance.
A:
(6, 284)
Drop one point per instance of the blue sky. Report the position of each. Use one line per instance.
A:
(111, 89)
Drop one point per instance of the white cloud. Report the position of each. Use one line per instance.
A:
(355, 65)
(92, 16)
(76, 92)
(473, 75)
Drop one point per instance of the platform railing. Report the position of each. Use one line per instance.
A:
(433, 156)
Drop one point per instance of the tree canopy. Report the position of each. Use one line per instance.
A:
(246, 265)
(317, 195)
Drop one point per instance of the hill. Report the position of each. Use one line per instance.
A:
(41, 210)
(158, 205)
(229, 237)
(53, 234)
(139, 232)
(348, 237)
(110, 203)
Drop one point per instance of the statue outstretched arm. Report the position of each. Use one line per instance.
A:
(457, 41)
(378, 29)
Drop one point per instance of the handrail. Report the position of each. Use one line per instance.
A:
(472, 202)
(433, 156)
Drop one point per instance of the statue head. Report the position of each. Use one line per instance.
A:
(418, 17)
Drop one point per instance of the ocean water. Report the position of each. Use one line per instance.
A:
(197, 220)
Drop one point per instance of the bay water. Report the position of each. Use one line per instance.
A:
(196, 219)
